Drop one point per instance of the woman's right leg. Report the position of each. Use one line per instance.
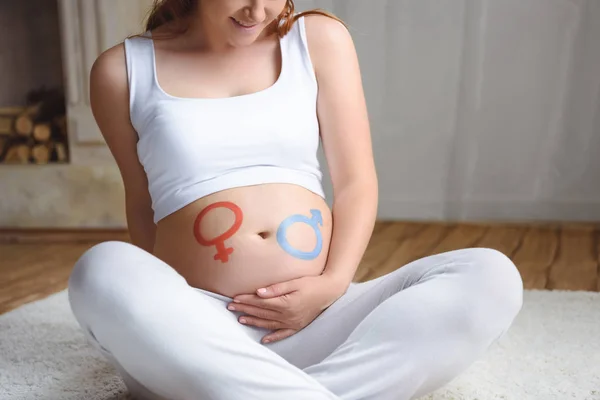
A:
(170, 338)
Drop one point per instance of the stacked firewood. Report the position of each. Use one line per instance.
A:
(35, 133)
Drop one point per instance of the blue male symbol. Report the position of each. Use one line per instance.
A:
(314, 222)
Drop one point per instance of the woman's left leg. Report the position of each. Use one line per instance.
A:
(409, 332)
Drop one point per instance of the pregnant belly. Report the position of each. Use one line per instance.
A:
(238, 240)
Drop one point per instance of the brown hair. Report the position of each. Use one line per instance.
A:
(169, 11)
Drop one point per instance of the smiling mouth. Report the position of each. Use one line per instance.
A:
(247, 25)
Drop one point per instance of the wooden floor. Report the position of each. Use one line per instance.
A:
(34, 265)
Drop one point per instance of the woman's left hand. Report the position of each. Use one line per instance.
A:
(287, 307)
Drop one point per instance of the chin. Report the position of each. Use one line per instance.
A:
(239, 37)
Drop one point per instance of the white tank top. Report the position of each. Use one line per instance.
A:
(192, 147)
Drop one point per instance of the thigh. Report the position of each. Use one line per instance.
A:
(169, 340)
(332, 327)
(200, 350)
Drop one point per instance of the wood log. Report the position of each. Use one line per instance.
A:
(61, 152)
(6, 125)
(25, 121)
(18, 154)
(11, 111)
(24, 152)
(11, 155)
(41, 132)
(40, 153)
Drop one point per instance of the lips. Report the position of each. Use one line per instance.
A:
(244, 24)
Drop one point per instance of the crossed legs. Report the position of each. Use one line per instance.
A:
(397, 337)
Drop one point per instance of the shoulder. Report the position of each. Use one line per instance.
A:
(331, 49)
(326, 29)
(110, 67)
(329, 41)
(109, 83)
(325, 34)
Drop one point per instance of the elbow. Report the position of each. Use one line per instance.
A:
(363, 186)
(141, 227)
(361, 192)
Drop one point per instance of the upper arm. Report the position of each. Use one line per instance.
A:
(109, 98)
(341, 105)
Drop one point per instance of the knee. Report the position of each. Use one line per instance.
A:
(96, 274)
(98, 264)
(497, 282)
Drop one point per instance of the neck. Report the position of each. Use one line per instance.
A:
(205, 35)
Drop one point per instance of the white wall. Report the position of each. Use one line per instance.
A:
(481, 109)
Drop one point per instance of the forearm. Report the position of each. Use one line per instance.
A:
(354, 215)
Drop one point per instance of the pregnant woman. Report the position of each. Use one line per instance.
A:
(237, 283)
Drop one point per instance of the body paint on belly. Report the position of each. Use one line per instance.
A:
(316, 220)
(222, 251)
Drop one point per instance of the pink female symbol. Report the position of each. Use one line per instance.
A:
(222, 251)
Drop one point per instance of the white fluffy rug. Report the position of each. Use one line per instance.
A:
(551, 352)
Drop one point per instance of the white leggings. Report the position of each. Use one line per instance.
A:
(396, 337)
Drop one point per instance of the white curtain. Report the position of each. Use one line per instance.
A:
(481, 109)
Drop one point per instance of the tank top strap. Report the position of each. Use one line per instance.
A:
(296, 54)
(139, 56)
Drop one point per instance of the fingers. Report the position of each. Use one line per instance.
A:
(275, 304)
(277, 289)
(278, 335)
(255, 311)
(261, 323)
